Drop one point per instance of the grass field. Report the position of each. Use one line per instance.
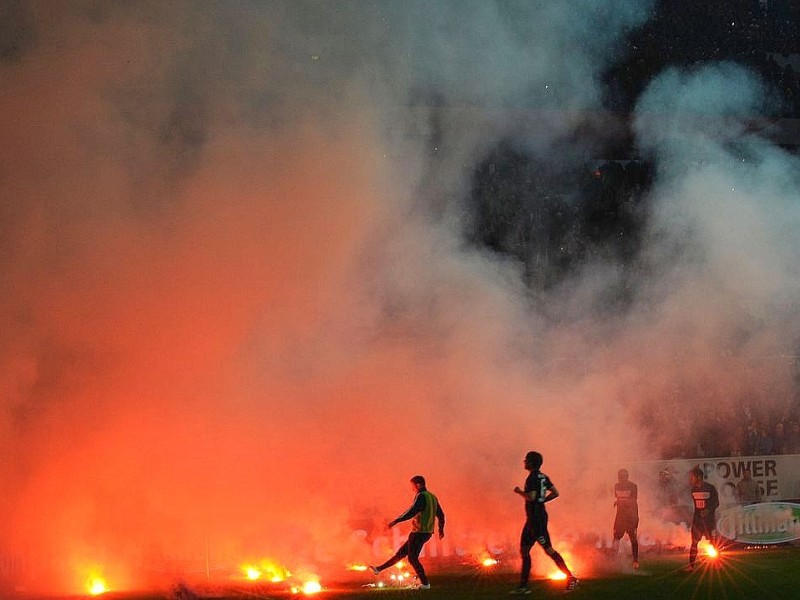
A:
(738, 575)
(741, 574)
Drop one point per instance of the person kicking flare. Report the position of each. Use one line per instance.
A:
(423, 512)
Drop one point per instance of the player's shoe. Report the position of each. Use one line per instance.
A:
(572, 583)
(688, 568)
(520, 591)
(636, 565)
(373, 570)
(424, 586)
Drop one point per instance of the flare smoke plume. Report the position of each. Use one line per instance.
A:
(238, 311)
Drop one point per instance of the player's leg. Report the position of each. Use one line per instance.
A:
(526, 542)
(697, 535)
(713, 538)
(544, 540)
(415, 543)
(616, 536)
(553, 554)
(401, 553)
(634, 538)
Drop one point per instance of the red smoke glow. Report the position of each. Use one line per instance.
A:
(238, 310)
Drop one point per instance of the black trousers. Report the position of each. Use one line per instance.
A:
(411, 549)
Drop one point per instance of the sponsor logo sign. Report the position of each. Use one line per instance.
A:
(765, 523)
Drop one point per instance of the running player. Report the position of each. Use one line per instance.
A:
(538, 490)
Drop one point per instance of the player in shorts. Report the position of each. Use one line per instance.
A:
(538, 490)
(704, 521)
(627, 518)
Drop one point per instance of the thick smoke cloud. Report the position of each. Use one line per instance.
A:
(722, 239)
(238, 311)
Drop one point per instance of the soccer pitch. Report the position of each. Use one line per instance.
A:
(736, 575)
(754, 574)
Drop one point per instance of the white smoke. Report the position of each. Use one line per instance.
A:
(237, 308)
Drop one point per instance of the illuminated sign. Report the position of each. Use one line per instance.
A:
(765, 523)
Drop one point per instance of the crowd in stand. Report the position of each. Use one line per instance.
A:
(764, 432)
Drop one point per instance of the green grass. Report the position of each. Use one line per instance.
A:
(739, 575)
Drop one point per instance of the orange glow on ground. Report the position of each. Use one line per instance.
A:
(709, 550)
(400, 577)
(308, 588)
(573, 562)
(96, 586)
(265, 570)
(357, 568)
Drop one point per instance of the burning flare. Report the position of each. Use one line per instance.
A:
(312, 586)
(710, 551)
(96, 585)
(557, 575)
(265, 570)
